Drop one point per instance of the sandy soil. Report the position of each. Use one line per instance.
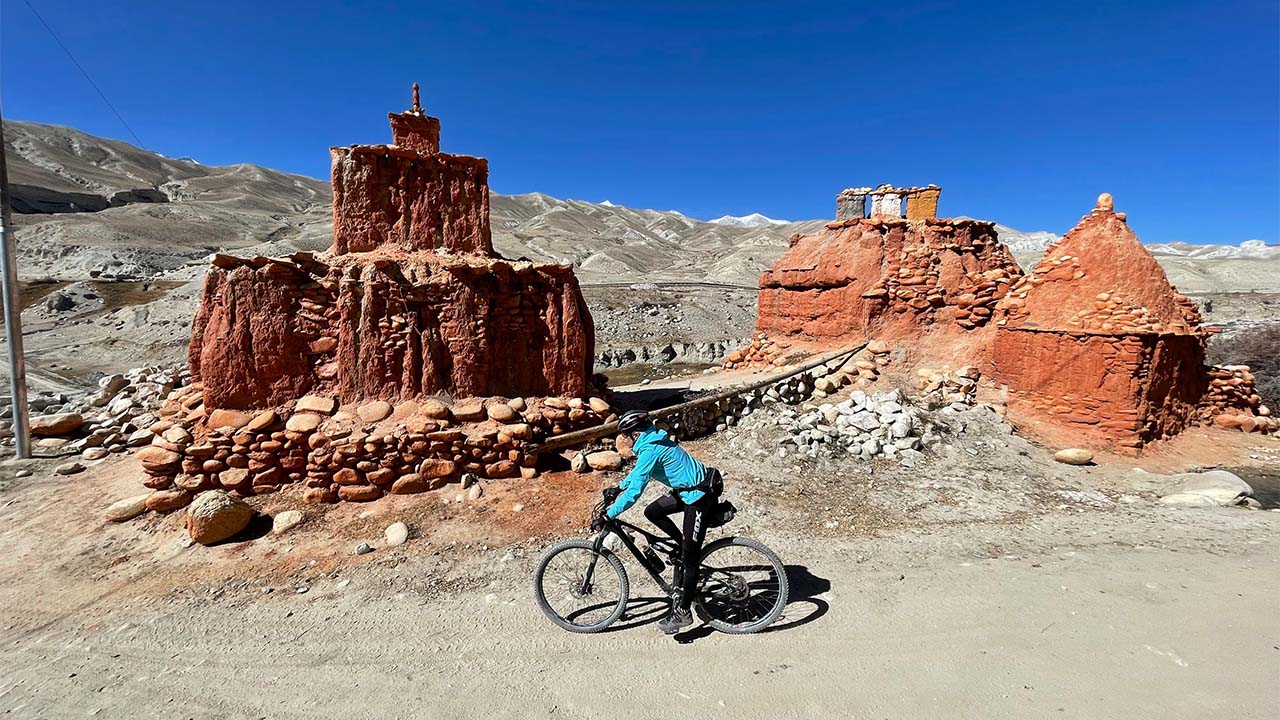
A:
(980, 591)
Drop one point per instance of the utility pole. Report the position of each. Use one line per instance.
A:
(12, 314)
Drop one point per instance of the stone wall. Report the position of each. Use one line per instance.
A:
(1231, 401)
(1118, 389)
(354, 453)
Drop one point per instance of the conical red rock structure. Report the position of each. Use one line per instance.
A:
(1095, 338)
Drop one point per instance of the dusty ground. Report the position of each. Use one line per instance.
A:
(991, 585)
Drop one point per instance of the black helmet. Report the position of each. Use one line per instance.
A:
(633, 420)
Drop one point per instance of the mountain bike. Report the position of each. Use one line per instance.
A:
(582, 586)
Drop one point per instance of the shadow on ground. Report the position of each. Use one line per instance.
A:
(803, 605)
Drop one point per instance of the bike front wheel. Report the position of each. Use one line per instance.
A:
(580, 589)
(742, 586)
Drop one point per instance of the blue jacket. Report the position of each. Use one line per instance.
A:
(660, 458)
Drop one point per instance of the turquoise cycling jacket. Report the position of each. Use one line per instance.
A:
(660, 458)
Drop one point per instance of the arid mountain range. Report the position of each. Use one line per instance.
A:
(88, 206)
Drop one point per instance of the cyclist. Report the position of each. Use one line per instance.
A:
(694, 490)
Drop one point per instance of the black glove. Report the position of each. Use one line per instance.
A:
(611, 494)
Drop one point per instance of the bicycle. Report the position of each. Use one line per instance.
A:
(742, 584)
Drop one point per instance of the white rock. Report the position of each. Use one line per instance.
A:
(128, 508)
(397, 533)
(285, 520)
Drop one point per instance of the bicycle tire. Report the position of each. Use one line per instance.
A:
(783, 587)
(539, 593)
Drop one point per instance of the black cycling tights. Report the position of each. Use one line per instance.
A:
(695, 531)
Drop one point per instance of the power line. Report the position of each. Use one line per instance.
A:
(84, 72)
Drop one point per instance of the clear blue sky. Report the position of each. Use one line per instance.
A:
(1022, 111)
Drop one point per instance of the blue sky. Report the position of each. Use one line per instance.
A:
(1022, 112)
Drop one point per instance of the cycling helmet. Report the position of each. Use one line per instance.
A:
(633, 420)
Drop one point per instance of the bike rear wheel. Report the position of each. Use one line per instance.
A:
(742, 586)
(558, 586)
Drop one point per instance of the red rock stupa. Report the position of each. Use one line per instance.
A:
(1096, 338)
(901, 280)
(411, 299)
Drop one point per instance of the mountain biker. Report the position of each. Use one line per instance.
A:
(693, 491)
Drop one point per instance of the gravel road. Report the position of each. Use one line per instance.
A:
(1074, 612)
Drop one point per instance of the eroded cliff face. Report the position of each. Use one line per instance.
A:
(888, 278)
(389, 329)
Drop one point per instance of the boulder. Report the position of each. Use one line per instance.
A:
(158, 459)
(165, 501)
(316, 404)
(409, 484)
(232, 478)
(374, 411)
(359, 493)
(434, 409)
(436, 468)
(469, 411)
(56, 425)
(223, 417)
(605, 460)
(128, 508)
(579, 463)
(1218, 487)
(303, 422)
(215, 516)
(598, 406)
(1074, 456)
(501, 412)
(501, 469)
(70, 468)
(262, 421)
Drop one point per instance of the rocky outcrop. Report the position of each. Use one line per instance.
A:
(393, 328)
(885, 277)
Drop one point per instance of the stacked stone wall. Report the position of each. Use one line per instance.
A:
(355, 453)
(1231, 401)
(1121, 389)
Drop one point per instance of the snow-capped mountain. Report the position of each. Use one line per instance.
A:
(1247, 250)
(752, 220)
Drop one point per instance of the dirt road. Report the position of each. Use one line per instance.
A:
(1128, 612)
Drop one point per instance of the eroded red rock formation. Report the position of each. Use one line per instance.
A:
(1095, 338)
(411, 301)
(883, 277)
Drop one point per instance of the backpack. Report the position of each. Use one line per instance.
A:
(713, 485)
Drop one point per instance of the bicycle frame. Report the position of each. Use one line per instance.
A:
(619, 528)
